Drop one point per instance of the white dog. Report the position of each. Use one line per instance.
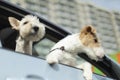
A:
(30, 30)
(66, 50)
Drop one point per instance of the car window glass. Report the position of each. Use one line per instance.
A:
(43, 47)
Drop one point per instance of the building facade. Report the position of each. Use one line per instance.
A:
(72, 15)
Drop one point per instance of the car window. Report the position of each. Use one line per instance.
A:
(43, 47)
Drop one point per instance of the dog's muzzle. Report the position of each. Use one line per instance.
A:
(34, 30)
(99, 52)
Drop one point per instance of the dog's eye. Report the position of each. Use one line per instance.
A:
(95, 40)
(25, 22)
(85, 33)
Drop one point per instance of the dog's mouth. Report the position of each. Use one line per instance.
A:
(99, 58)
(33, 33)
(98, 53)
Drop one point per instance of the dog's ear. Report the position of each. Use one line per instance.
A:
(14, 23)
(88, 29)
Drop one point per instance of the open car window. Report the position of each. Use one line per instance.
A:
(43, 47)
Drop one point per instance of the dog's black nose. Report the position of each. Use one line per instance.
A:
(99, 58)
(35, 28)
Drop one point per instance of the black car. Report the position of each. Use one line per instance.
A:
(24, 67)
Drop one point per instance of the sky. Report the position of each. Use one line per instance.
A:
(108, 4)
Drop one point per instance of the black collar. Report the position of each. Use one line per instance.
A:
(61, 48)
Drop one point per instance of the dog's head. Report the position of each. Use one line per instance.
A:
(90, 40)
(29, 27)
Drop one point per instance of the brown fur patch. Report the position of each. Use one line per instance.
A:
(88, 37)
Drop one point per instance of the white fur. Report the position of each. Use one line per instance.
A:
(73, 46)
(27, 32)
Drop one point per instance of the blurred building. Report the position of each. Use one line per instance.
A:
(72, 15)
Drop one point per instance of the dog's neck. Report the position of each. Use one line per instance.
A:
(23, 46)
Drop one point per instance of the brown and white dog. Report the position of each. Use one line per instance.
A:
(66, 50)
